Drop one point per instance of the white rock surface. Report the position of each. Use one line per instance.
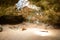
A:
(23, 3)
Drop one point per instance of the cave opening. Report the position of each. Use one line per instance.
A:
(9, 19)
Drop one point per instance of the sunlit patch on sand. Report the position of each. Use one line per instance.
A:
(40, 32)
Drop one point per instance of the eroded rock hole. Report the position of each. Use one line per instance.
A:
(8, 19)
